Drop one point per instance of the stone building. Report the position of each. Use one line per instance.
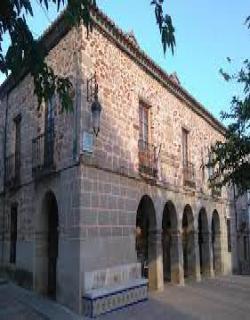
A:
(78, 211)
(243, 233)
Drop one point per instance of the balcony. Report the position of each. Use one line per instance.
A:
(216, 192)
(43, 155)
(189, 175)
(13, 164)
(147, 160)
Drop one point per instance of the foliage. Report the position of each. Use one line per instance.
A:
(231, 158)
(27, 53)
(166, 28)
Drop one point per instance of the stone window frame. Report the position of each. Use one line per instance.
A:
(146, 106)
(185, 130)
(17, 142)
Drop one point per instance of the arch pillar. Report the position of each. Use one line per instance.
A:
(216, 243)
(177, 272)
(217, 259)
(195, 255)
(155, 261)
(208, 256)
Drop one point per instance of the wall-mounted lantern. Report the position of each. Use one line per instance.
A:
(96, 108)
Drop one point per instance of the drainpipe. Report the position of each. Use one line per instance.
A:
(4, 170)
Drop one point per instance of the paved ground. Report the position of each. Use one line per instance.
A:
(215, 299)
(224, 298)
(20, 304)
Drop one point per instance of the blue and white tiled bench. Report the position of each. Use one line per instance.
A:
(104, 300)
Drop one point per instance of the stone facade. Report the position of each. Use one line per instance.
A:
(99, 195)
(243, 229)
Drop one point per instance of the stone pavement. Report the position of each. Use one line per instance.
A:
(215, 299)
(20, 304)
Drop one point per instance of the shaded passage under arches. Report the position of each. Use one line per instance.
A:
(170, 242)
(147, 242)
(204, 244)
(188, 243)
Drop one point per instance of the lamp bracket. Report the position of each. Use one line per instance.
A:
(92, 88)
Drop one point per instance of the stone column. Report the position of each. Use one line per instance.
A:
(177, 272)
(196, 273)
(155, 263)
(217, 253)
(208, 255)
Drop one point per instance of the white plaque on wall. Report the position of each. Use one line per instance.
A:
(87, 142)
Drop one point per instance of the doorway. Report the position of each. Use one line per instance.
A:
(47, 247)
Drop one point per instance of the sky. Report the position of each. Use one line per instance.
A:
(207, 32)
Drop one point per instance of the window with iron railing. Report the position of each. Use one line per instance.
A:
(184, 146)
(189, 174)
(147, 159)
(43, 153)
(188, 167)
(12, 170)
(246, 247)
(43, 145)
(216, 191)
(13, 161)
(147, 151)
(210, 168)
(144, 133)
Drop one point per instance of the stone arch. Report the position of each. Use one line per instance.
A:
(188, 243)
(204, 243)
(169, 243)
(216, 243)
(145, 244)
(46, 248)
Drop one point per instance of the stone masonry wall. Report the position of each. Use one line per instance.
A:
(112, 189)
(30, 194)
(122, 84)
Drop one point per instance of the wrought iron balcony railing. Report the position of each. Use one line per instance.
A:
(43, 154)
(147, 159)
(189, 175)
(216, 192)
(13, 164)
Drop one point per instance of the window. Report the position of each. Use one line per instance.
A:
(210, 168)
(245, 247)
(229, 235)
(17, 122)
(185, 147)
(49, 133)
(144, 125)
(244, 216)
(203, 177)
(49, 115)
(13, 233)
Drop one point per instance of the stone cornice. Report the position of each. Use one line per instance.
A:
(58, 30)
